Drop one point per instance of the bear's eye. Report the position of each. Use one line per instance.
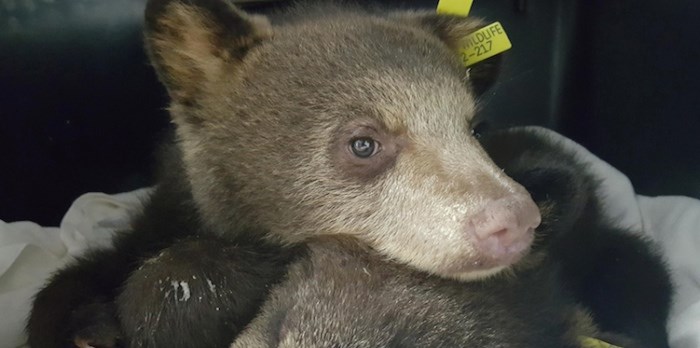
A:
(363, 147)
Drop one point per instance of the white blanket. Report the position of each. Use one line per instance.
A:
(30, 253)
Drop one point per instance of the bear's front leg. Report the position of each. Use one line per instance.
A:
(199, 292)
(76, 306)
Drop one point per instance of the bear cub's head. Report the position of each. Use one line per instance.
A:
(339, 121)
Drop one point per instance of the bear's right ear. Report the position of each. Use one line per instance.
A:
(189, 42)
(453, 30)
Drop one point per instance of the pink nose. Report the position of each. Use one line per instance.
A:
(503, 231)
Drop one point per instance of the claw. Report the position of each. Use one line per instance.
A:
(82, 343)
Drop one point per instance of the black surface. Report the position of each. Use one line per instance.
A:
(80, 106)
(80, 109)
(635, 101)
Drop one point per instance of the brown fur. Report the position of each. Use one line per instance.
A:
(265, 134)
(346, 296)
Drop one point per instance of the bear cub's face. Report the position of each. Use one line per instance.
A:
(336, 121)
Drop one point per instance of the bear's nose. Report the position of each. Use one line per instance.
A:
(504, 229)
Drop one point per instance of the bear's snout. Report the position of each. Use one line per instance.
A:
(503, 230)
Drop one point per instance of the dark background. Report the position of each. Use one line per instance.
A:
(81, 110)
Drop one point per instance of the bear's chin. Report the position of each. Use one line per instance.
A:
(477, 274)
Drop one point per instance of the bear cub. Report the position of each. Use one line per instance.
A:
(325, 120)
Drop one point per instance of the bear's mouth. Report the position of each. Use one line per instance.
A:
(485, 265)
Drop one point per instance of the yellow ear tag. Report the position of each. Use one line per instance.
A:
(455, 7)
(481, 44)
(484, 43)
(590, 342)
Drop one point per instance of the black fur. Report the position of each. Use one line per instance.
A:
(80, 301)
(615, 273)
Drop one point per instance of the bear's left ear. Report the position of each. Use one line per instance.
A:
(452, 30)
(191, 41)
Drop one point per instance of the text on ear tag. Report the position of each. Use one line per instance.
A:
(454, 7)
(484, 43)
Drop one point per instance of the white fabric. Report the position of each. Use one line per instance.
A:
(30, 253)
